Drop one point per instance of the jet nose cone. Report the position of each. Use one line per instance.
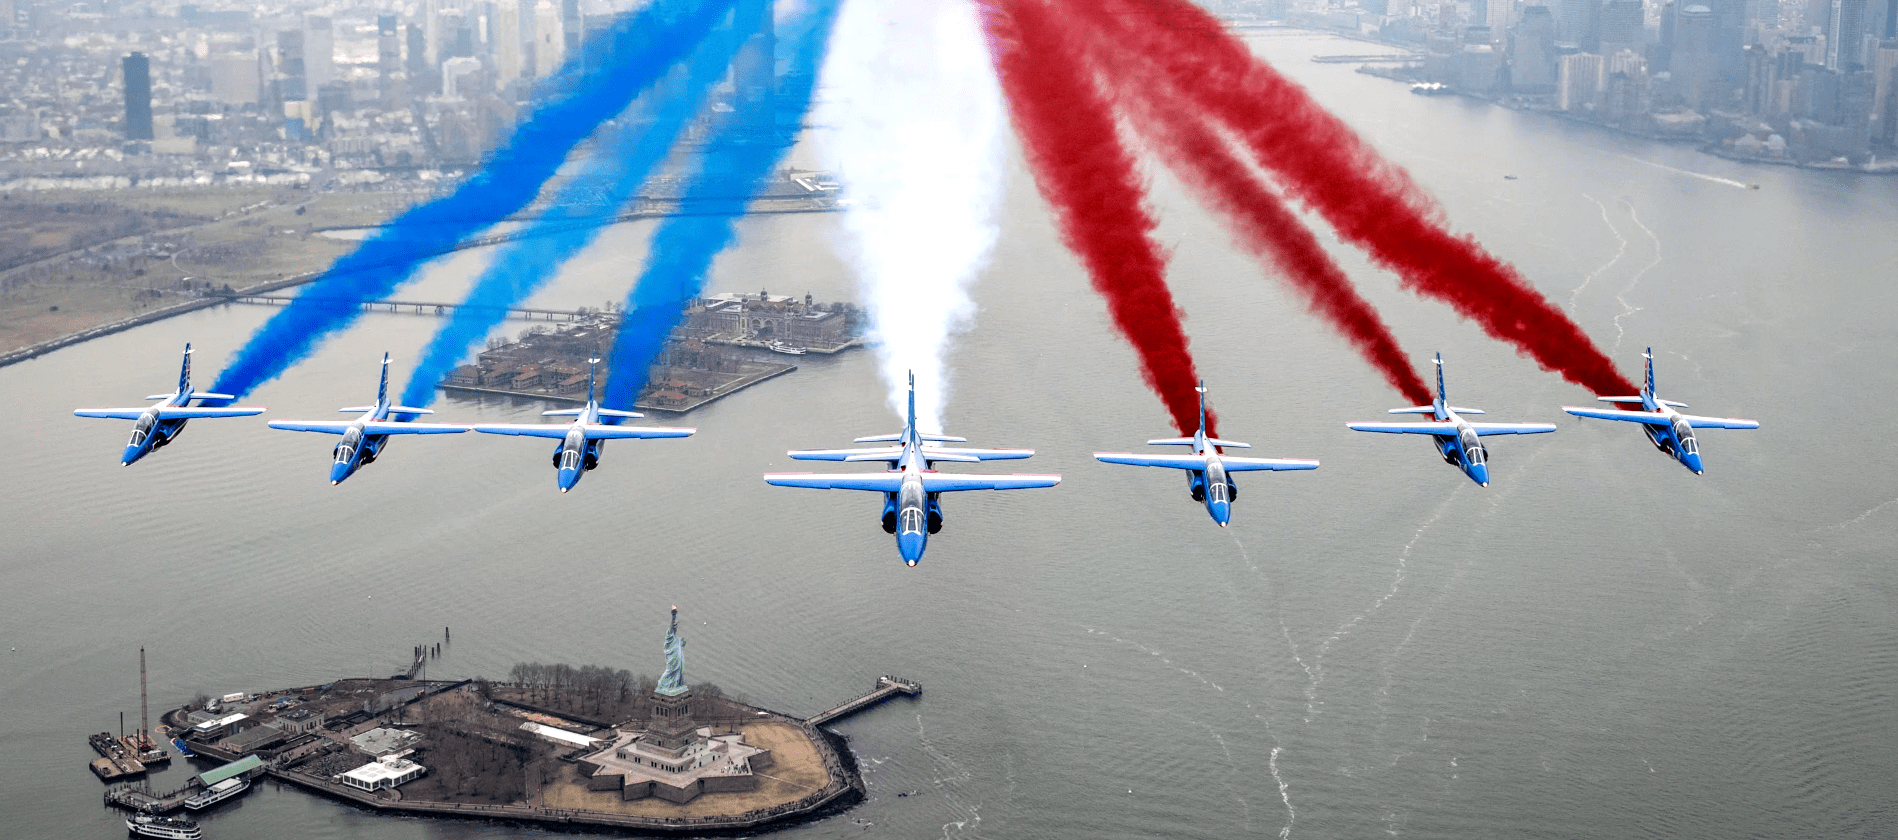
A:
(912, 563)
(567, 479)
(911, 547)
(132, 453)
(1480, 473)
(338, 473)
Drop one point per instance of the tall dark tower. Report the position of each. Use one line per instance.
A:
(138, 97)
(388, 61)
(755, 68)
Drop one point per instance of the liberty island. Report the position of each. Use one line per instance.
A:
(591, 747)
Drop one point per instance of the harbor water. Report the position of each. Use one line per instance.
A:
(1600, 644)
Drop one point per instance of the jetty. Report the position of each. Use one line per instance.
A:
(886, 687)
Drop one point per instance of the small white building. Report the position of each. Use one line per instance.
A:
(386, 773)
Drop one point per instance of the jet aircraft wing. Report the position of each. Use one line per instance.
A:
(594, 431)
(937, 453)
(387, 427)
(1648, 417)
(1178, 462)
(168, 412)
(1254, 464)
(328, 427)
(1511, 428)
(1432, 428)
(1198, 462)
(889, 482)
(1719, 422)
(890, 453)
(947, 482)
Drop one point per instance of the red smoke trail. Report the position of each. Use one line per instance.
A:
(1263, 223)
(1369, 200)
(1089, 177)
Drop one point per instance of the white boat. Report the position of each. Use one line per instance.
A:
(216, 793)
(171, 828)
(787, 349)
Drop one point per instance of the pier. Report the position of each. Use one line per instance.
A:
(886, 688)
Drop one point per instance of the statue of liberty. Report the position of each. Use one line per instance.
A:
(673, 683)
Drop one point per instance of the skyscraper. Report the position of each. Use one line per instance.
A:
(138, 96)
(1622, 26)
(550, 39)
(1693, 62)
(1578, 81)
(319, 51)
(1845, 35)
(389, 61)
(1532, 51)
(504, 37)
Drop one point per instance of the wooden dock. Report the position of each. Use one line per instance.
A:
(886, 688)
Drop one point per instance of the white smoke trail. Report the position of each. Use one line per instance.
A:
(915, 128)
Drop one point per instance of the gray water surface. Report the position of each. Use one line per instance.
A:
(1598, 645)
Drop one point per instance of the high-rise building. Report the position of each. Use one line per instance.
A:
(1693, 62)
(1623, 26)
(461, 76)
(292, 85)
(1845, 35)
(1884, 65)
(138, 96)
(1578, 81)
(389, 62)
(1532, 51)
(550, 39)
(504, 40)
(1578, 22)
(234, 77)
(319, 51)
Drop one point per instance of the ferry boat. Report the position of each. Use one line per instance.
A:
(183, 749)
(786, 349)
(1430, 89)
(170, 828)
(216, 793)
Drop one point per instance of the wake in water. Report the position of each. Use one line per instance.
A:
(1620, 249)
(951, 776)
(1285, 794)
(1627, 308)
(1715, 179)
(916, 131)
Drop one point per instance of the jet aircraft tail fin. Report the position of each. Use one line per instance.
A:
(382, 390)
(1442, 397)
(184, 372)
(1649, 355)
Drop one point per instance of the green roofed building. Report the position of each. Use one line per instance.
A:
(245, 766)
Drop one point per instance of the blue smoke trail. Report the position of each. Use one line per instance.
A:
(643, 141)
(639, 47)
(731, 170)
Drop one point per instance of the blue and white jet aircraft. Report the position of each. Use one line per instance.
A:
(161, 423)
(1671, 431)
(1206, 469)
(582, 440)
(364, 437)
(910, 488)
(1457, 439)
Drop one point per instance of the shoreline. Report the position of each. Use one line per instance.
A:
(844, 789)
(32, 351)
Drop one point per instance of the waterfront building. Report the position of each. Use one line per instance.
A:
(138, 97)
(382, 773)
(1578, 81)
(673, 758)
(764, 317)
